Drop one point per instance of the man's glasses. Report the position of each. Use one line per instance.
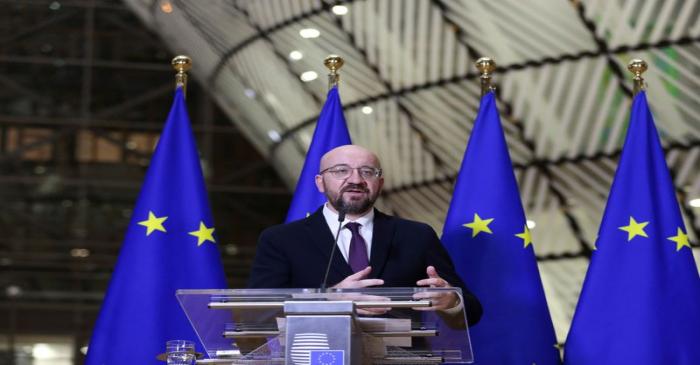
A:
(342, 172)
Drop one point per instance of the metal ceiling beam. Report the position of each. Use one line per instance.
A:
(584, 245)
(604, 50)
(29, 94)
(266, 32)
(25, 180)
(502, 70)
(104, 124)
(572, 222)
(387, 86)
(543, 164)
(101, 4)
(676, 146)
(37, 28)
(79, 62)
(137, 100)
(226, 57)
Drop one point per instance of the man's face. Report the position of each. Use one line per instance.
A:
(355, 194)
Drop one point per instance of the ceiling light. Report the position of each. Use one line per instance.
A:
(340, 10)
(274, 135)
(530, 224)
(13, 291)
(80, 252)
(695, 203)
(55, 5)
(166, 7)
(250, 93)
(309, 76)
(309, 33)
(231, 249)
(84, 350)
(367, 109)
(295, 55)
(42, 351)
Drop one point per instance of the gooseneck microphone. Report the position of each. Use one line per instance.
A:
(341, 218)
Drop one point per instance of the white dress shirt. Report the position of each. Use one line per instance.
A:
(367, 225)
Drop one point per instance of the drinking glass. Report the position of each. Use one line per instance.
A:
(180, 352)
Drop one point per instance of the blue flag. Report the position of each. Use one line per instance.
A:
(331, 132)
(169, 245)
(486, 235)
(640, 302)
(327, 357)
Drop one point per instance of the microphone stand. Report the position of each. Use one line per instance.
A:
(341, 218)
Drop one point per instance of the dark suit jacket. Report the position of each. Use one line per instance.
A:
(295, 255)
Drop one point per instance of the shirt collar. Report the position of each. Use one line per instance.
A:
(332, 218)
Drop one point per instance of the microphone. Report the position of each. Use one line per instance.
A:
(341, 218)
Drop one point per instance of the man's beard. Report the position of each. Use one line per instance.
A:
(352, 206)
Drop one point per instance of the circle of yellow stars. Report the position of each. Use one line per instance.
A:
(479, 225)
(155, 223)
(635, 229)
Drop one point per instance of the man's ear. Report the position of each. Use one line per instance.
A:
(319, 184)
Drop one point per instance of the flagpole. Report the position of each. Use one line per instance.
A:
(333, 63)
(486, 66)
(638, 67)
(181, 64)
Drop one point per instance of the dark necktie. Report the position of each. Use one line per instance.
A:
(357, 255)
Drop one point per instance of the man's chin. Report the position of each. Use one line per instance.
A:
(357, 206)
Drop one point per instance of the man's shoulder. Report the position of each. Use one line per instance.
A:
(403, 223)
(285, 228)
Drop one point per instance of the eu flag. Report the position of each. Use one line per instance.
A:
(640, 302)
(331, 132)
(169, 245)
(327, 357)
(487, 237)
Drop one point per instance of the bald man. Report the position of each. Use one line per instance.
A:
(374, 249)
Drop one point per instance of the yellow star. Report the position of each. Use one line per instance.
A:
(527, 238)
(203, 234)
(634, 229)
(153, 223)
(479, 225)
(681, 239)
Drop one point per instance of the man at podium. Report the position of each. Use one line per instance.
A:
(373, 248)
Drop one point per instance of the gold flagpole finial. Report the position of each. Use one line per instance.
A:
(486, 66)
(638, 67)
(333, 63)
(181, 64)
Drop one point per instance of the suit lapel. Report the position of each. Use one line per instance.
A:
(381, 242)
(323, 239)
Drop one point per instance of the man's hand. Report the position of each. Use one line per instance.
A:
(440, 301)
(359, 280)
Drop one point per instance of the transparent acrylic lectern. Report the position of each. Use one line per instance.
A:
(336, 326)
